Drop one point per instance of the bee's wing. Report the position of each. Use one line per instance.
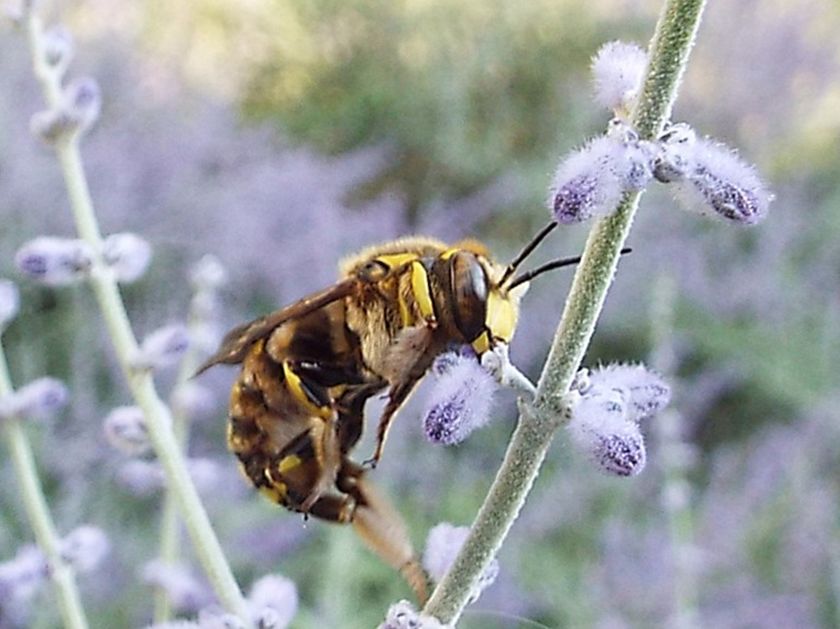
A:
(238, 341)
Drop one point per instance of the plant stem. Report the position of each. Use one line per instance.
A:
(38, 512)
(669, 50)
(141, 384)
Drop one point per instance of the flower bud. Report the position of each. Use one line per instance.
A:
(675, 155)
(273, 600)
(9, 302)
(125, 429)
(128, 255)
(600, 428)
(37, 400)
(186, 593)
(57, 48)
(193, 401)
(162, 348)
(646, 392)
(402, 615)
(54, 261)
(50, 125)
(24, 575)
(443, 545)
(84, 548)
(208, 274)
(618, 70)
(459, 400)
(83, 102)
(142, 478)
(591, 181)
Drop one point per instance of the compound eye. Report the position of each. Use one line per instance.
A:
(469, 294)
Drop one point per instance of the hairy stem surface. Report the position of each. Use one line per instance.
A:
(669, 50)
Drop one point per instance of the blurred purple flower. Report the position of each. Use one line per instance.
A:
(185, 592)
(162, 348)
(38, 399)
(84, 548)
(54, 261)
(128, 255)
(443, 544)
(125, 430)
(273, 600)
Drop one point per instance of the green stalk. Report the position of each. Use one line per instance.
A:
(669, 50)
(141, 384)
(38, 512)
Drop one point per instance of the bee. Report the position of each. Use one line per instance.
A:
(297, 406)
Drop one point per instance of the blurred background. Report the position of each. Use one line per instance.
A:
(281, 135)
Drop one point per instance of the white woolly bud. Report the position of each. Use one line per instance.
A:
(618, 70)
(402, 615)
(273, 600)
(37, 400)
(186, 593)
(9, 302)
(125, 429)
(208, 274)
(54, 261)
(57, 48)
(128, 255)
(193, 400)
(645, 391)
(591, 181)
(142, 478)
(162, 348)
(708, 176)
(600, 428)
(443, 544)
(459, 400)
(84, 548)
(24, 575)
(83, 101)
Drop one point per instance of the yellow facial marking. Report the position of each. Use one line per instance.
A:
(395, 260)
(422, 292)
(501, 316)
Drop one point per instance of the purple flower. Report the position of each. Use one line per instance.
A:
(162, 348)
(402, 615)
(84, 548)
(128, 255)
(591, 181)
(54, 261)
(601, 429)
(186, 593)
(22, 577)
(274, 601)
(646, 393)
(618, 69)
(460, 399)
(57, 48)
(125, 429)
(38, 399)
(443, 545)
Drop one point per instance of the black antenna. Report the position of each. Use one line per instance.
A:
(545, 231)
(550, 266)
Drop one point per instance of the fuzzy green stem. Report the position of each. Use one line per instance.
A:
(141, 384)
(38, 512)
(669, 50)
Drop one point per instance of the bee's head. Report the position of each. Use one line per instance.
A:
(484, 311)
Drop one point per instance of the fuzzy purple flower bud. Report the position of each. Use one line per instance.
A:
(186, 593)
(54, 261)
(142, 478)
(125, 430)
(84, 548)
(9, 302)
(208, 274)
(24, 575)
(193, 400)
(162, 348)
(709, 176)
(57, 48)
(443, 545)
(459, 401)
(618, 69)
(273, 600)
(38, 399)
(645, 391)
(591, 181)
(600, 427)
(128, 255)
(83, 101)
(402, 615)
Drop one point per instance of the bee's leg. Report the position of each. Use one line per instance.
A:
(376, 522)
(350, 405)
(397, 395)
